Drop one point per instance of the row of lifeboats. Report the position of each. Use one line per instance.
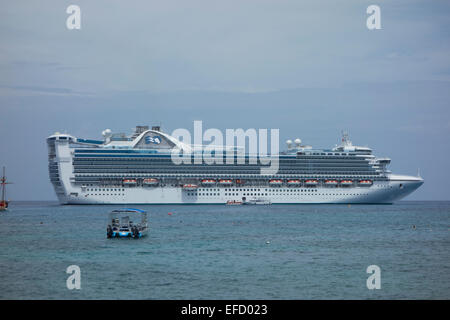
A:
(272, 182)
(294, 182)
(146, 182)
(314, 182)
(205, 182)
(289, 182)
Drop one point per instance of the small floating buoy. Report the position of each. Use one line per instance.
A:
(414, 226)
(267, 242)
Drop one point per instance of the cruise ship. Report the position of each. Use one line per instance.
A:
(138, 169)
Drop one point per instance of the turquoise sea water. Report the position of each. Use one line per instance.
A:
(229, 252)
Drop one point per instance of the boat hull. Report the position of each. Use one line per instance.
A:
(383, 192)
(127, 234)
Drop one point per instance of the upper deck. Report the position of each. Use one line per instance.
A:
(149, 153)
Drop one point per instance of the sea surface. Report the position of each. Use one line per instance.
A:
(228, 252)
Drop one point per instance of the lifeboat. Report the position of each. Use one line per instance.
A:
(365, 182)
(225, 182)
(129, 182)
(234, 202)
(311, 182)
(190, 187)
(293, 182)
(346, 182)
(239, 181)
(275, 182)
(208, 182)
(150, 182)
(331, 182)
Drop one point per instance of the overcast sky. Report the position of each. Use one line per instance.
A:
(309, 68)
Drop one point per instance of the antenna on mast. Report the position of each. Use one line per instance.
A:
(345, 138)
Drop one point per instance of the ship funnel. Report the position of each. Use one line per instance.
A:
(140, 129)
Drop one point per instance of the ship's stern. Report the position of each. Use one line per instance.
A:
(59, 164)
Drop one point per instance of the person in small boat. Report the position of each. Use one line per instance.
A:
(115, 224)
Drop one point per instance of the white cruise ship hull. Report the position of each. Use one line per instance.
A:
(382, 193)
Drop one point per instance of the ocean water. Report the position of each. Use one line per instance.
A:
(229, 252)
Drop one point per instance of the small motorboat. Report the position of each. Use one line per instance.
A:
(234, 203)
(259, 201)
(127, 223)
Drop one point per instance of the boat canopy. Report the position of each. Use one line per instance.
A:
(126, 213)
(127, 210)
